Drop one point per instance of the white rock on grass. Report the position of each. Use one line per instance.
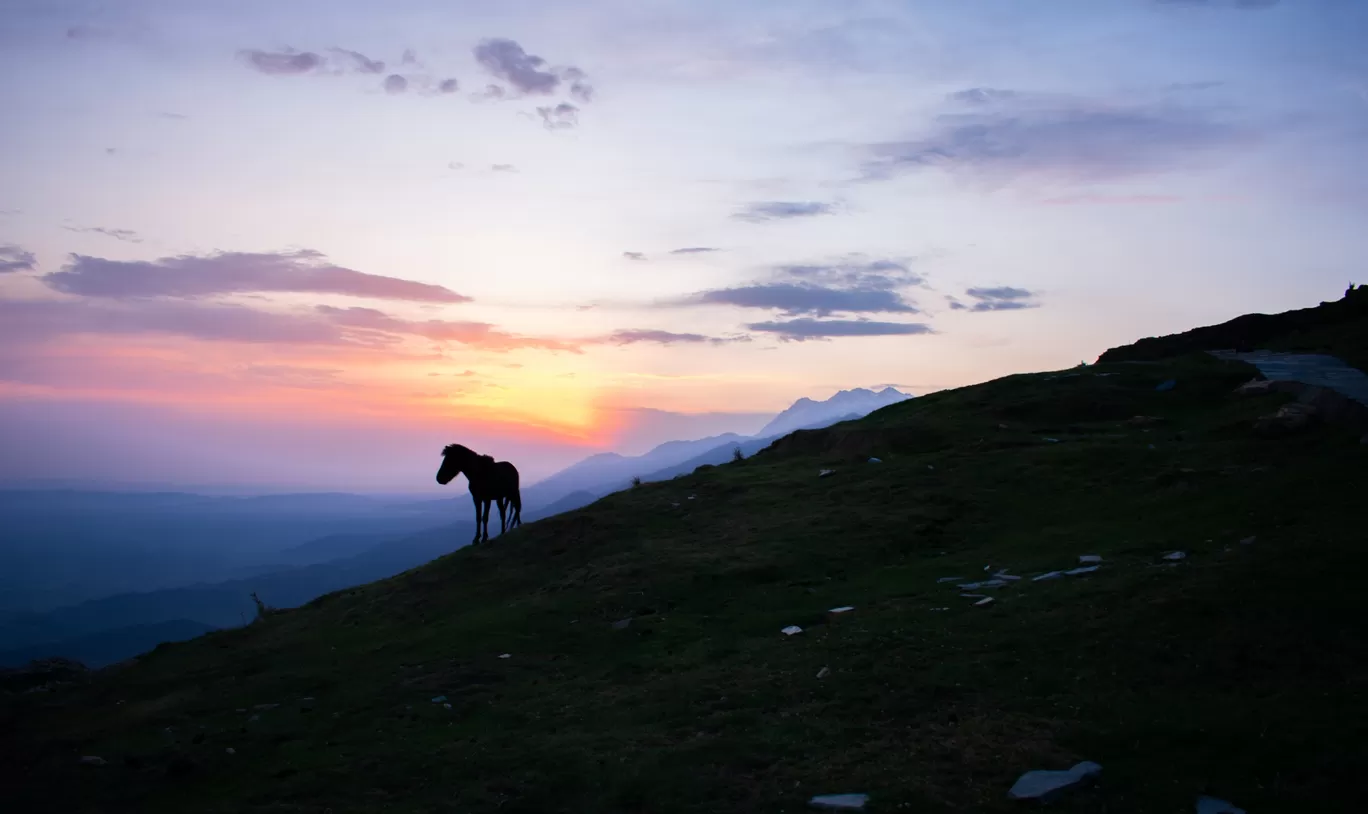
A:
(824, 672)
(791, 629)
(505, 655)
(1215, 805)
(876, 460)
(440, 699)
(949, 579)
(1087, 569)
(1047, 576)
(826, 472)
(1089, 559)
(840, 802)
(842, 609)
(230, 751)
(1048, 785)
(987, 600)
(1176, 555)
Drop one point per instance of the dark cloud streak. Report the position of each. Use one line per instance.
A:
(13, 258)
(803, 330)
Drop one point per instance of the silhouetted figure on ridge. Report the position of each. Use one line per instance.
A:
(490, 481)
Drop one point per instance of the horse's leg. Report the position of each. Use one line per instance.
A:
(476, 501)
(503, 519)
(485, 522)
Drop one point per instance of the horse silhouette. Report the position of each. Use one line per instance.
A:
(490, 480)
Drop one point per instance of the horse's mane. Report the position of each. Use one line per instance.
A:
(457, 449)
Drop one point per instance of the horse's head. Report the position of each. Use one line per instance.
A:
(455, 458)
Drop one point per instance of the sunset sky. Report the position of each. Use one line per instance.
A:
(302, 245)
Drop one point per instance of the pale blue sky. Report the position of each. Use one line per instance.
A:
(1095, 170)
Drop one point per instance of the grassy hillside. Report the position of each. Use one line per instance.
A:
(1238, 671)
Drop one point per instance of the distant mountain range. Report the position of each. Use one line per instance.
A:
(598, 475)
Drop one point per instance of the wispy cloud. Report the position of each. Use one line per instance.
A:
(126, 235)
(853, 285)
(563, 116)
(30, 321)
(762, 211)
(13, 258)
(1004, 136)
(802, 330)
(634, 255)
(480, 334)
(502, 168)
(1103, 200)
(394, 84)
(694, 250)
(791, 299)
(636, 336)
(359, 61)
(189, 276)
(998, 298)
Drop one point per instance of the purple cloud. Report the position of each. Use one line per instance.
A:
(999, 298)
(394, 83)
(852, 285)
(448, 86)
(503, 168)
(792, 299)
(360, 62)
(561, 117)
(480, 334)
(37, 320)
(762, 211)
(694, 250)
(634, 255)
(284, 63)
(802, 330)
(1011, 136)
(189, 276)
(126, 235)
(635, 336)
(13, 258)
(508, 61)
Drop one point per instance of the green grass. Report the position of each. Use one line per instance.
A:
(1239, 672)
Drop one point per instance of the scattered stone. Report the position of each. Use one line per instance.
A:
(254, 718)
(1047, 576)
(876, 460)
(791, 629)
(948, 579)
(1176, 555)
(929, 466)
(1087, 569)
(439, 699)
(840, 802)
(1089, 558)
(988, 583)
(842, 609)
(505, 655)
(1166, 386)
(622, 624)
(1255, 387)
(692, 497)
(987, 600)
(1006, 576)
(1289, 418)
(1002, 426)
(824, 672)
(448, 706)
(826, 472)
(1052, 440)
(1215, 805)
(1048, 785)
(1248, 540)
(92, 760)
